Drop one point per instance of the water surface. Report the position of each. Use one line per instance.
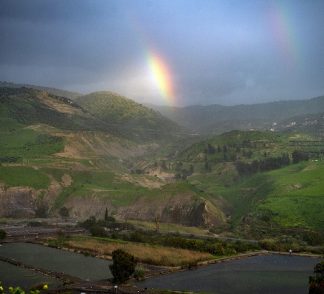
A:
(74, 264)
(11, 275)
(267, 274)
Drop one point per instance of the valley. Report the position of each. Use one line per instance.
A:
(119, 175)
(119, 156)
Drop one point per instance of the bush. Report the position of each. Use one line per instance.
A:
(98, 231)
(123, 265)
(139, 273)
(3, 234)
(316, 282)
(64, 212)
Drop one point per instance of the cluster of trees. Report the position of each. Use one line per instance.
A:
(215, 247)
(270, 163)
(266, 164)
(104, 227)
(298, 156)
(181, 172)
(10, 159)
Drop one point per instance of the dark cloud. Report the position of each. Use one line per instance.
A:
(217, 51)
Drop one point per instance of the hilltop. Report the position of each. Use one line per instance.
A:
(131, 119)
(53, 91)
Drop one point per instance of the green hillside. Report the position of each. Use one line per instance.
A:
(253, 178)
(29, 106)
(56, 154)
(110, 152)
(130, 118)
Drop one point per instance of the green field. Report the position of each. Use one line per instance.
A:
(14, 176)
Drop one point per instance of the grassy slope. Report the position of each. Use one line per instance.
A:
(294, 194)
(130, 118)
(23, 176)
(297, 198)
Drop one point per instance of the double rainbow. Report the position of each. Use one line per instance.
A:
(284, 32)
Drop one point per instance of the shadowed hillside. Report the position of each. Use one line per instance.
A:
(216, 119)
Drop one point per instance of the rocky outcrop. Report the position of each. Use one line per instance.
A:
(181, 209)
(17, 202)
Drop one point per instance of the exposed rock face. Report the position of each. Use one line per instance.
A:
(181, 209)
(17, 202)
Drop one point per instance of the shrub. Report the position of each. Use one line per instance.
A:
(98, 231)
(316, 282)
(139, 273)
(64, 212)
(3, 234)
(123, 265)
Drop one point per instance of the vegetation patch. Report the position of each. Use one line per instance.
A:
(151, 254)
(14, 176)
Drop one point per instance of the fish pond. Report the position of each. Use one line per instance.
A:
(266, 274)
(11, 275)
(257, 274)
(38, 256)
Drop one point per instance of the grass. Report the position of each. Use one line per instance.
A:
(168, 227)
(294, 194)
(14, 176)
(26, 143)
(151, 254)
(297, 199)
(102, 184)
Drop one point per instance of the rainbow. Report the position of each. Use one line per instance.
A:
(159, 70)
(284, 33)
(162, 77)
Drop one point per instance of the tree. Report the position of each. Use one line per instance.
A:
(210, 149)
(298, 156)
(123, 265)
(3, 234)
(106, 214)
(64, 212)
(316, 283)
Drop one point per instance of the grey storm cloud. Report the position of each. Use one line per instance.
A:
(224, 52)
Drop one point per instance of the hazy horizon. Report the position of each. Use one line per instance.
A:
(167, 52)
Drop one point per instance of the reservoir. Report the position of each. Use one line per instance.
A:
(265, 274)
(74, 264)
(11, 275)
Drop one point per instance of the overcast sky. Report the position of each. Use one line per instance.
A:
(224, 52)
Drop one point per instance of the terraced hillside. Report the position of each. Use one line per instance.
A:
(260, 180)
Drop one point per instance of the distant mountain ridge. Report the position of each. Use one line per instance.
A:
(217, 119)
